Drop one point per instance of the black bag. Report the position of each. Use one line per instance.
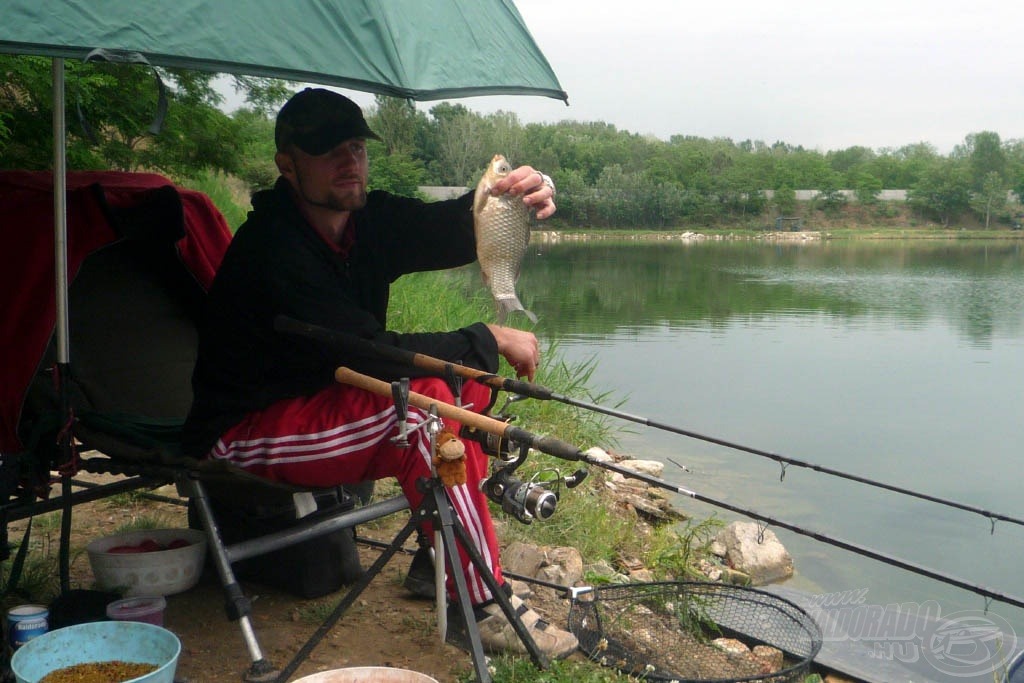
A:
(309, 569)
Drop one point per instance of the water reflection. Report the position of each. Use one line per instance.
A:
(603, 288)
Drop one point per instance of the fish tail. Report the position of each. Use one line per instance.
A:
(510, 304)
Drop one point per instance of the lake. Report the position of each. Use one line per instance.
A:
(899, 361)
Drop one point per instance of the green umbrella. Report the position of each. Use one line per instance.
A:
(419, 49)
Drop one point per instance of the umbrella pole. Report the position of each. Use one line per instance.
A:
(60, 259)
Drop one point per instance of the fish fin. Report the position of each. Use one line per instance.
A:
(506, 306)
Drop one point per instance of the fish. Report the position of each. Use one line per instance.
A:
(502, 228)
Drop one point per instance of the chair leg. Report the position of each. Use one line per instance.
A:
(237, 605)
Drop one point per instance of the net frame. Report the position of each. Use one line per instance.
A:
(611, 622)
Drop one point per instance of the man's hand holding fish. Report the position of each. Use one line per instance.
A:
(537, 189)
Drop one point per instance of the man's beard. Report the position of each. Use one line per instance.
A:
(331, 199)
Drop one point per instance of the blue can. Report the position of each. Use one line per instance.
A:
(25, 622)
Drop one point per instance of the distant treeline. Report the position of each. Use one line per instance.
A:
(606, 177)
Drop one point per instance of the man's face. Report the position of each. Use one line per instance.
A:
(335, 180)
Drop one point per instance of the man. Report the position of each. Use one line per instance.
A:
(320, 249)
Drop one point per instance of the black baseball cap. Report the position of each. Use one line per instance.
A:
(316, 120)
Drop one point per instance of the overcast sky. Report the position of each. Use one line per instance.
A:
(822, 74)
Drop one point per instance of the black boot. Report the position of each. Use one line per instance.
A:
(420, 579)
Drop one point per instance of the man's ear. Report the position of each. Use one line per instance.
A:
(285, 164)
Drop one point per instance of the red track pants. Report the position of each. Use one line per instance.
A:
(342, 435)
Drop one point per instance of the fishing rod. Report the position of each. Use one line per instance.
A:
(371, 349)
(566, 451)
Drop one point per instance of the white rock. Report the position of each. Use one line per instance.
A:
(755, 552)
(598, 454)
(650, 467)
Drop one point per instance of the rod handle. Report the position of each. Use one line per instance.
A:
(482, 422)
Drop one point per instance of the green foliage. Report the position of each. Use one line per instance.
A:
(866, 187)
(397, 172)
(256, 154)
(942, 192)
(510, 669)
(39, 580)
(674, 550)
(110, 110)
(217, 186)
(991, 199)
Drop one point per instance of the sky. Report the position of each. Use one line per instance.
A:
(825, 75)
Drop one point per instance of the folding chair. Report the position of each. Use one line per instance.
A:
(133, 309)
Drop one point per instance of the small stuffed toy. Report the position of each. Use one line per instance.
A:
(450, 459)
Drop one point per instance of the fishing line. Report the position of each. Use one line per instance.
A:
(561, 449)
(367, 348)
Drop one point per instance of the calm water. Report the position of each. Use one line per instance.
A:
(901, 362)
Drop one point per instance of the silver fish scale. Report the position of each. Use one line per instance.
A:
(502, 235)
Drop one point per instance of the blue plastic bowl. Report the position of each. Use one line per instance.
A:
(101, 641)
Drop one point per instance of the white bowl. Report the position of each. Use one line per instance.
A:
(368, 674)
(158, 572)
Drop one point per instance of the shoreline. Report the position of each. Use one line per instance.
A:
(722, 234)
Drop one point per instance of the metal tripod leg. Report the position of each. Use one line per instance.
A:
(452, 529)
(434, 507)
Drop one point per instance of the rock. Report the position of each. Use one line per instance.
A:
(756, 552)
(521, 588)
(563, 566)
(731, 645)
(641, 576)
(649, 467)
(657, 510)
(768, 657)
(598, 455)
(604, 569)
(717, 548)
(522, 558)
(735, 577)
(713, 572)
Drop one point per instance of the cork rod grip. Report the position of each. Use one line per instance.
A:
(466, 417)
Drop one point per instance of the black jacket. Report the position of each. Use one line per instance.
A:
(278, 264)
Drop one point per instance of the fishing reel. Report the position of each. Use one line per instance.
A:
(492, 444)
(527, 500)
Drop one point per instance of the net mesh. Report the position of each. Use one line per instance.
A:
(688, 631)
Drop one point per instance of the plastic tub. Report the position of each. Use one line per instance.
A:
(148, 609)
(367, 674)
(101, 641)
(158, 572)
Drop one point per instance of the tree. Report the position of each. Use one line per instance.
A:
(942, 192)
(866, 187)
(396, 121)
(117, 103)
(984, 154)
(397, 173)
(459, 153)
(991, 198)
(505, 135)
(830, 196)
